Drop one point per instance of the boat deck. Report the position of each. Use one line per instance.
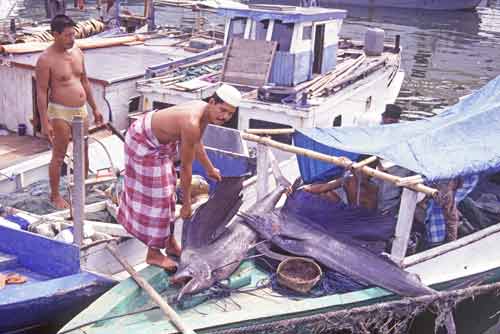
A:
(352, 65)
(129, 61)
(9, 264)
(14, 148)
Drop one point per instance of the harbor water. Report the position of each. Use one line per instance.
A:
(446, 55)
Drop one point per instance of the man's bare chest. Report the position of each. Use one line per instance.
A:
(66, 68)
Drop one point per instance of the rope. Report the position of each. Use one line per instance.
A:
(382, 315)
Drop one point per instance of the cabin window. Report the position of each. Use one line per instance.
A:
(261, 30)
(337, 121)
(307, 33)
(282, 33)
(237, 28)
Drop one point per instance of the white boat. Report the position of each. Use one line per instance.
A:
(294, 69)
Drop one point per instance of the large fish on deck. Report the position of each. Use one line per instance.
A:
(212, 251)
(297, 236)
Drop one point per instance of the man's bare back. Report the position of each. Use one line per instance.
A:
(168, 123)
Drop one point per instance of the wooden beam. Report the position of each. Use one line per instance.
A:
(270, 131)
(169, 312)
(78, 193)
(414, 179)
(262, 171)
(94, 207)
(365, 162)
(404, 224)
(116, 230)
(451, 246)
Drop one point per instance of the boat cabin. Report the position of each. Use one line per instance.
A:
(293, 69)
(307, 38)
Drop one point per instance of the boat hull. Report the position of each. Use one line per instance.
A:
(440, 268)
(410, 4)
(56, 288)
(50, 302)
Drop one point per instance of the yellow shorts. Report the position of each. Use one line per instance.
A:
(58, 111)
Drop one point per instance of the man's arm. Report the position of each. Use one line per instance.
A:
(190, 137)
(88, 91)
(324, 187)
(42, 74)
(202, 157)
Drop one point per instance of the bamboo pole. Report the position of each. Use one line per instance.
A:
(365, 162)
(169, 311)
(270, 131)
(451, 246)
(339, 161)
(86, 43)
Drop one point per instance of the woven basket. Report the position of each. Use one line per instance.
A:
(299, 274)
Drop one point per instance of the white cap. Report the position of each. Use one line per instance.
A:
(229, 94)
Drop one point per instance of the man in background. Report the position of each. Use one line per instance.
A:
(62, 92)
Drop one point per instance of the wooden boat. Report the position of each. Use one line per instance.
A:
(63, 278)
(257, 309)
(126, 308)
(56, 285)
(312, 78)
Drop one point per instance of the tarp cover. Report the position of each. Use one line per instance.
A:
(463, 140)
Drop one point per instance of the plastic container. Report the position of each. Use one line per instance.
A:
(374, 41)
(21, 129)
(65, 235)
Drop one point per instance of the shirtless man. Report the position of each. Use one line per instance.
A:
(147, 205)
(62, 90)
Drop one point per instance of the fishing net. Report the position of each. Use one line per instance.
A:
(385, 317)
(35, 199)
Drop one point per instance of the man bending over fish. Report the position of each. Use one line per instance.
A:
(62, 89)
(147, 206)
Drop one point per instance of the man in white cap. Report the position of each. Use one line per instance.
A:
(147, 205)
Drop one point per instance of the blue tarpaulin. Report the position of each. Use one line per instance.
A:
(463, 140)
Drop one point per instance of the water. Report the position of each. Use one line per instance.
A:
(446, 55)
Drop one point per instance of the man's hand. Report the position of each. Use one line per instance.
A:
(186, 209)
(214, 174)
(97, 117)
(48, 131)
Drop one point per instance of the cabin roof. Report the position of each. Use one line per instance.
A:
(119, 63)
(287, 14)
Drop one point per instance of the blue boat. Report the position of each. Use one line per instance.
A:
(56, 287)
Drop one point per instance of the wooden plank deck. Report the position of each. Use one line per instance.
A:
(14, 148)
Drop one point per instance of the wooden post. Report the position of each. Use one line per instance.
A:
(169, 311)
(403, 226)
(19, 181)
(116, 14)
(262, 171)
(149, 14)
(78, 193)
